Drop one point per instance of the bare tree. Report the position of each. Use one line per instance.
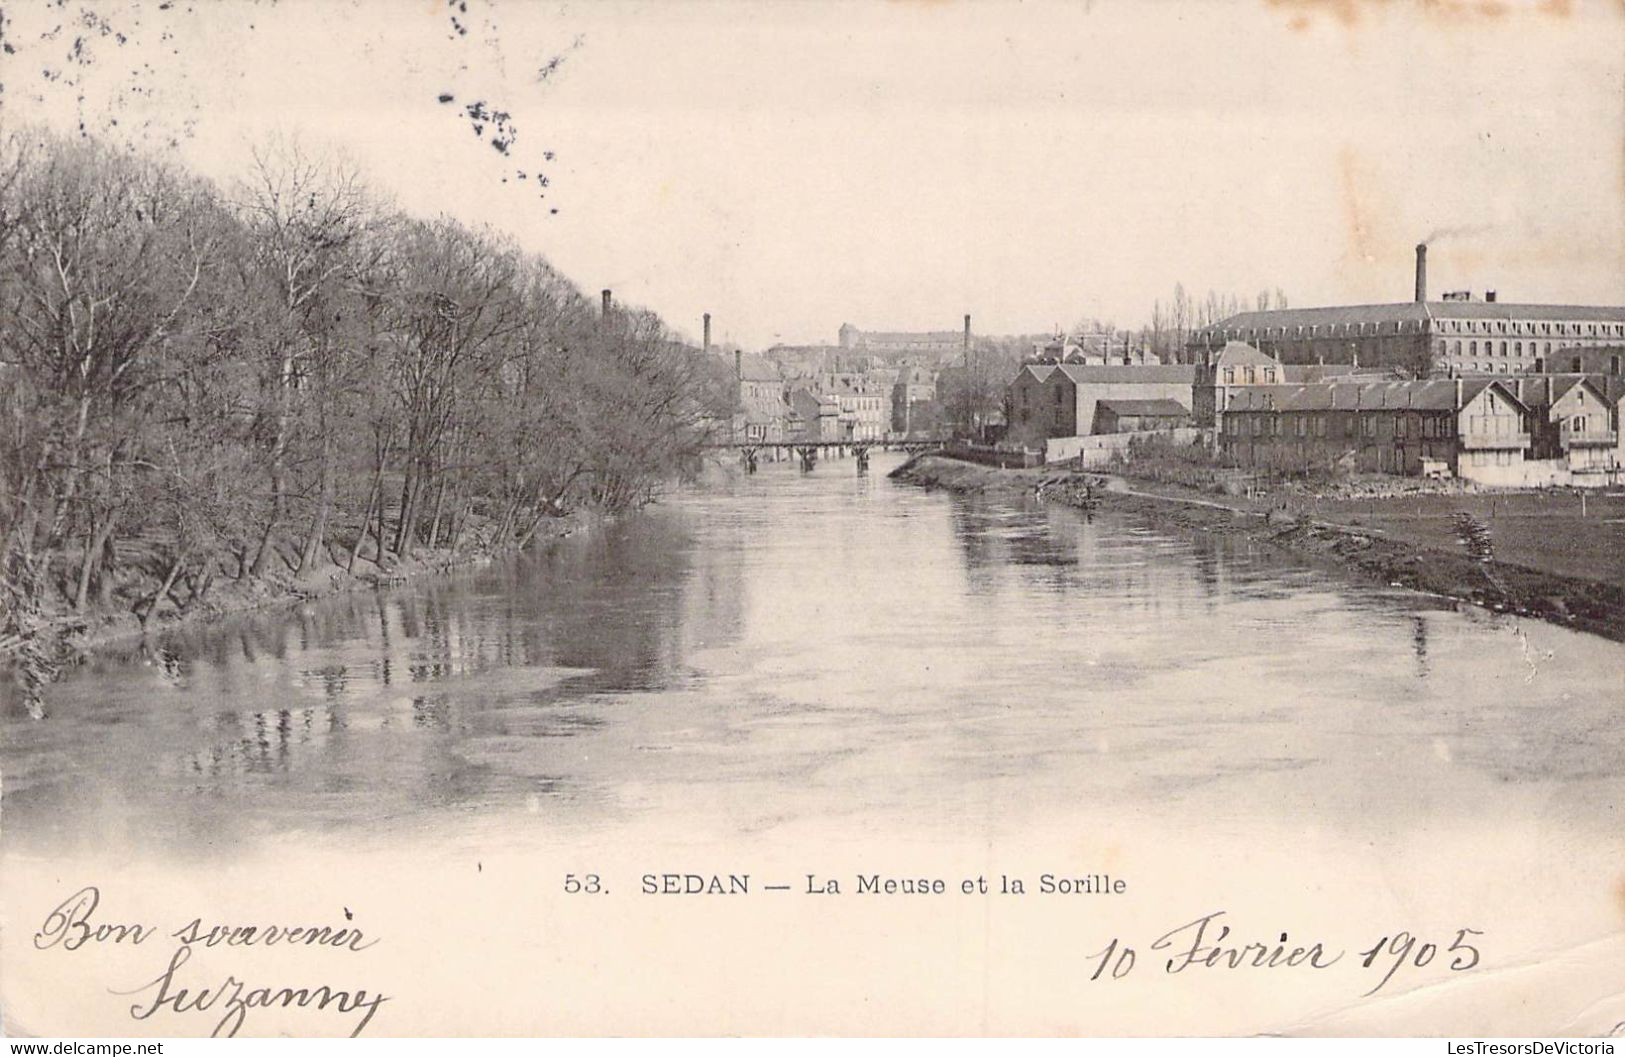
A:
(189, 381)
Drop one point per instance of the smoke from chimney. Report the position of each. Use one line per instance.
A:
(1421, 272)
(1455, 232)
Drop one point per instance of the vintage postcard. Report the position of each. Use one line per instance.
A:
(712, 517)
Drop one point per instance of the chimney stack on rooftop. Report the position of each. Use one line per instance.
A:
(607, 301)
(1421, 272)
(1489, 296)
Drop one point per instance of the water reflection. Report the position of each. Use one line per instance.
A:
(835, 646)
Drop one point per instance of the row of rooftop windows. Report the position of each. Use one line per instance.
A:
(1466, 326)
(1473, 326)
(1249, 375)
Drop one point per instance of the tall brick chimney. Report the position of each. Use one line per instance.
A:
(607, 301)
(1421, 272)
(708, 332)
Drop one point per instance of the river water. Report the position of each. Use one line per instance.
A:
(838, 657)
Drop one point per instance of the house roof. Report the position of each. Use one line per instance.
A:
(1144, 407)
(1612, 386)
(890, 337)
(1543, 390)
(1039, 371)
(1433, 395)
(1324, 372)
(1239, 353)
(756, 368)
(1165, 373)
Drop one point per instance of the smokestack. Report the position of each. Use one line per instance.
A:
(708, 332)
(967, 333)
(739, 363)
(1421, 272)
(607, 300)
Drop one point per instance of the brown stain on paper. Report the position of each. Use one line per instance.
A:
(1365, 209)
(1350, 13)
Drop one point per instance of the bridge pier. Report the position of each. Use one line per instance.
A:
(863, 459)
(809, 458)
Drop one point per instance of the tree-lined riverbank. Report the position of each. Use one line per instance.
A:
(211, 395)
(1463, 571)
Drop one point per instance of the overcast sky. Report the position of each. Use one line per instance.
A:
(792, 166)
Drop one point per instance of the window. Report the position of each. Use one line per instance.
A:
(1269, 374)
(1399, 425)
(1517, 348)
(1368, 426)
(1472, 348)
(1258, 426)
(1303, 425)
(1320, 425)
(1229, 376)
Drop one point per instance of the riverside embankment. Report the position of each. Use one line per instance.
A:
(65, 639)
(1458, 569)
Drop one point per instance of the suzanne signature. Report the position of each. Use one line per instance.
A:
(72, 926)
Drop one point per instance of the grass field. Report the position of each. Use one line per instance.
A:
(1555, 531)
